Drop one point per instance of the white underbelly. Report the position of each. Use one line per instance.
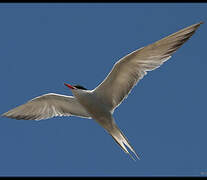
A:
(97, 110)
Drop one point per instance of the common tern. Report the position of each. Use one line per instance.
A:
(100, 103)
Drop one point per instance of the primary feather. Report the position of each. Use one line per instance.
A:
(48, 106)
(130, 69)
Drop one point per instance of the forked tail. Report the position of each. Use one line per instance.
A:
(121, 140)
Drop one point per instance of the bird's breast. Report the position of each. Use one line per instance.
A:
(96, 109)
(93, 104)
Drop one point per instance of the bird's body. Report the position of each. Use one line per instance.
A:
(102, 113)
(100, 103)
(89, 99)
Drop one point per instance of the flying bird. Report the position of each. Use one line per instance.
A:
(100, 103)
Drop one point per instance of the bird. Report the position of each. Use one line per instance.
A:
(99, 103)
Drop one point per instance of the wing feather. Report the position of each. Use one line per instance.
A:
(48, 106)
(130, 69)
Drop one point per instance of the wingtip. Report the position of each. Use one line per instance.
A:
(6, 114)
(2, 115)
(197, 25)
(202, 22)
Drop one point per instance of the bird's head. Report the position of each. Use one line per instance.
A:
(75, 87)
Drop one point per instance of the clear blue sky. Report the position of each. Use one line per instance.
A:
(44, 45)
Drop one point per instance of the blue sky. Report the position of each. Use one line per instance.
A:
(164, 117)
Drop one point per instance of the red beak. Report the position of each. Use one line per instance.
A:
(68, 85)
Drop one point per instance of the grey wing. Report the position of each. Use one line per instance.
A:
(48, 106)
(130, 69)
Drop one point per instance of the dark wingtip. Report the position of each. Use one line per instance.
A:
(198, 24)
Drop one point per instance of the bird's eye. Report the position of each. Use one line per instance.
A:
(80, 87)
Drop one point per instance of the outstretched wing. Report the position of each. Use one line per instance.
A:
(47, 106)
(130, 69)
